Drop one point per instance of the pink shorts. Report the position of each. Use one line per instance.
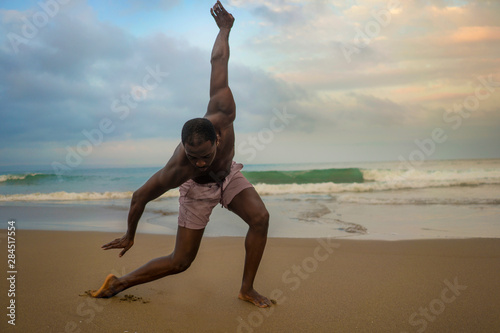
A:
(197, 201)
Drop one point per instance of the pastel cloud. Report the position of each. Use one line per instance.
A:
(476, 34)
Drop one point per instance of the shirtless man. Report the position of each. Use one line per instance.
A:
(202, 167)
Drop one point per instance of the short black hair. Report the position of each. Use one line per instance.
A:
(198, 130)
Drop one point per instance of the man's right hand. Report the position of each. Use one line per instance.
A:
(124, 243)
(223, 19)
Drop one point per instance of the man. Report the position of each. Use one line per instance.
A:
(202, 167)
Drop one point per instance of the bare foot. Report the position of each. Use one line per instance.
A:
(108, 289)
(255, 298)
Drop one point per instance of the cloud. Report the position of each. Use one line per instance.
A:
(84, 66)
(476, 34)
(79, 71)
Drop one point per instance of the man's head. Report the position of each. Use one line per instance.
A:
(200, 142)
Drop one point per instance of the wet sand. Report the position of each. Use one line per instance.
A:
(320, 285)
(291, 216)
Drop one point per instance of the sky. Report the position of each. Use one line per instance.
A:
(111, 83)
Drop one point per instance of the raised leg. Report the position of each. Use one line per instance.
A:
(249, 206)
(187, 244)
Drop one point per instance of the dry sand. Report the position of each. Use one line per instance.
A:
(321, 285)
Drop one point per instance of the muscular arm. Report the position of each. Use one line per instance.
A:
(221, 98)
(219, 61)
(171, 176)
(152, 189)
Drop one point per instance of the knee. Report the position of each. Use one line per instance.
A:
(260, 222)
(181, 264)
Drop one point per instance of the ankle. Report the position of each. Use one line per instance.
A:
(246, 289)
(121, 285)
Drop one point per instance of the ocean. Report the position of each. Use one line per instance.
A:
(305, 200)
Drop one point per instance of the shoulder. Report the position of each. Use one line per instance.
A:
(179, 160)
(178, 168)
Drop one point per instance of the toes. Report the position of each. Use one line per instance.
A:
(265, 303)
(256, 299)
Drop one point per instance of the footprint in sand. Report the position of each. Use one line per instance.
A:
(132, 298)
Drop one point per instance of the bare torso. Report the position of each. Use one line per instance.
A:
(221, 166)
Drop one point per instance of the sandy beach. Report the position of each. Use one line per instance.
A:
(320, 285)
(368, 130)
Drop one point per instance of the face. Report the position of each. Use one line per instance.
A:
(201, 155)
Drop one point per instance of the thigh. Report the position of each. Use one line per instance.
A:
(248, 205)
(187, 242)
